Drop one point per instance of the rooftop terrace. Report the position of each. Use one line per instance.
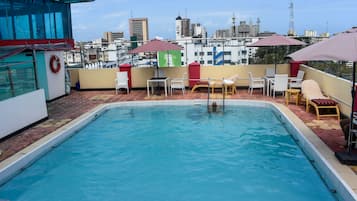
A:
(65, 109)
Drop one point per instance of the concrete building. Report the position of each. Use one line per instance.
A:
(244, 29)
(178, 28)
(186, 32)
(183, 29)
(217, 51)
(310, 33)
(139, 27)
(198, 31)
(222, 33)
(111, 36)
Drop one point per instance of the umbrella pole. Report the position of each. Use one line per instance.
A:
(275, 58)
(353, 93)
(348, 157)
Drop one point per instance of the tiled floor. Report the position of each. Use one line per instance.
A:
(65, 109)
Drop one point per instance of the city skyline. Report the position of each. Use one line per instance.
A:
(90, 20)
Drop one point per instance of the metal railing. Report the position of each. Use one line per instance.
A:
(16, 78)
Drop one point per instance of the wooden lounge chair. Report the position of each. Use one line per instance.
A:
(205, 84)
(314, 97)
(213, 84)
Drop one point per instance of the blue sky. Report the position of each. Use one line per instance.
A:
(90, 20)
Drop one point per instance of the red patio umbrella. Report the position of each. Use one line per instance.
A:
(156, 46)
(275, 41)
(341, 47)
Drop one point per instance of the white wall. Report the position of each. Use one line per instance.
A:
(56, 85)
(21, 111)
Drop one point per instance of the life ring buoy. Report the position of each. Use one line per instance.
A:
(55, 64)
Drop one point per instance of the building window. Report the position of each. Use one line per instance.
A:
(22, 27)
(209, 53)
(50, 26)
(38, 26)
(6, 28)
(202, 62)
(202, 53)
(227, 61)
(209, 62)
(195, 53)
(34, 20)
(227, 53)
(59, 25)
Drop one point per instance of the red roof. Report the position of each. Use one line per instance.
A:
(156, 46)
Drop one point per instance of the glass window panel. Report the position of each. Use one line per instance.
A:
(5, 88)
(23, 79)
(16, 79)
(38, 27)
(59, 25)
(50, 25)
(6, 31)
(22, 27)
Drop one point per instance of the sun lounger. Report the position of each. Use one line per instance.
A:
(314, 97)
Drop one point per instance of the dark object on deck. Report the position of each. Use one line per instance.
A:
(347, 158)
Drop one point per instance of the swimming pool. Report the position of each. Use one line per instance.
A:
(174, 152)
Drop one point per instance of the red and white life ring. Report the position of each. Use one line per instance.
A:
(55, 64)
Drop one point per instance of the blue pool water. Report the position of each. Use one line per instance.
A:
(174, 153)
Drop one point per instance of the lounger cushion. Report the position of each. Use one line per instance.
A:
(324, 102)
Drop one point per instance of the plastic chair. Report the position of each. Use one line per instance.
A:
(254, 83)
(295, 82)
(280, 84)
(121, 82)
(178, 83)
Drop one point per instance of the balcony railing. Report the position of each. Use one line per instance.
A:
(16, 79)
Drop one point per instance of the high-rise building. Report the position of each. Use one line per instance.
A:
(178, 27)
(139, 28)
(186, 27)
(243, 29)
(182, 27)
(111, 36)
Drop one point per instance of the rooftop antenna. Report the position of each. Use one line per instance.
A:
(131, 13)
(291, 31)
(185, 12)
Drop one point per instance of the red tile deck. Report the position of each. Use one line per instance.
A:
(67, 108)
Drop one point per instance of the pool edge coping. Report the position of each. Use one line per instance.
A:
(344, 173)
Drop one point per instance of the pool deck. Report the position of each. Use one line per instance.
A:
(67, 108)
